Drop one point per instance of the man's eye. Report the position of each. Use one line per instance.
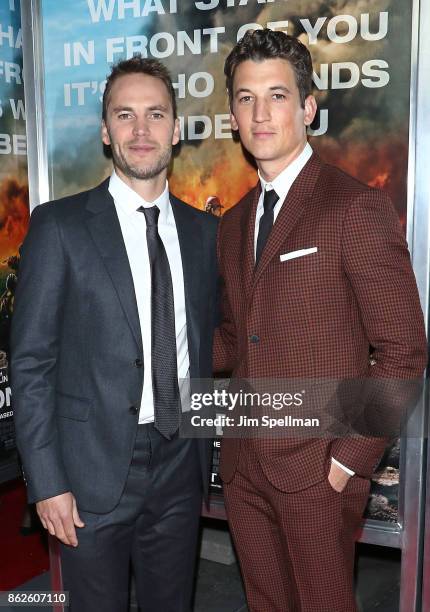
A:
(278, 96)
(245, 99)
(124, 115)
(156, 116)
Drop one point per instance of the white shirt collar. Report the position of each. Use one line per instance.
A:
(282, 183)
(129, 201)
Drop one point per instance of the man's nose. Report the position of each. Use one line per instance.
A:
(261, 110)
(140, 127)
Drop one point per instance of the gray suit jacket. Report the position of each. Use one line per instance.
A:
(76, 347)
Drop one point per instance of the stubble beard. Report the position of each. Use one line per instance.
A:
(148, 172)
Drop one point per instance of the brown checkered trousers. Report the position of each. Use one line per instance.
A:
(311, 317)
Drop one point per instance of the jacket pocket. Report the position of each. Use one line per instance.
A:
(299, 253)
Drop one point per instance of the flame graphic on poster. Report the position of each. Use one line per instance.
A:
(14, 215)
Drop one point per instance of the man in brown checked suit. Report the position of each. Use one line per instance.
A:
(315, 271)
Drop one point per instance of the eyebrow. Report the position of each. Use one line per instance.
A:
(242, 90)
(272, 88)
(160, 107)
(281, 87)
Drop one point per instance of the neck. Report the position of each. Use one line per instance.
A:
(148, 189)
(270, 169)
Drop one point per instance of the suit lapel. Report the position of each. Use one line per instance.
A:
(248, 228)
(292, 209)
(105, 230)
(190, 244)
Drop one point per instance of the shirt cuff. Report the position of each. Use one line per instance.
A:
(347, 470)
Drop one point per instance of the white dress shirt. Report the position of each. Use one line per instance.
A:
(133, 228)
(282, 184)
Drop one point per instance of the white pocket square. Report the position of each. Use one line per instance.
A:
(299, 253)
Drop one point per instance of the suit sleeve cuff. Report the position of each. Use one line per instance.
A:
(347, 470)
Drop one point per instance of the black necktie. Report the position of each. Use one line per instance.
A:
(163, 345)
(266, 222)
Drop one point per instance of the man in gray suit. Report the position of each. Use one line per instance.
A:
(113, 311)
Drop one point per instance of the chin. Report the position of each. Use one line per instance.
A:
(263, 149)
(264, 156)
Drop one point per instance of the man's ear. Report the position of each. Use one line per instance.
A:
(176, 132)
(310, 109)
(233, 122)
(105, 134)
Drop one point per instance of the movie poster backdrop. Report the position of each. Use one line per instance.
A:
(361, 53)
(13, 196)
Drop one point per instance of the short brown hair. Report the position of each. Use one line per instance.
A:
(259, 45)
(139, 65)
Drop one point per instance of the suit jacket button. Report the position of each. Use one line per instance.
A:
(138, 363)
(133, 409)
(254, 338)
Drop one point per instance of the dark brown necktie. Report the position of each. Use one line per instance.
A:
(163, 335)
(266, 222)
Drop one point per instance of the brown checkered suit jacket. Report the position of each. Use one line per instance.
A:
(315, 316)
